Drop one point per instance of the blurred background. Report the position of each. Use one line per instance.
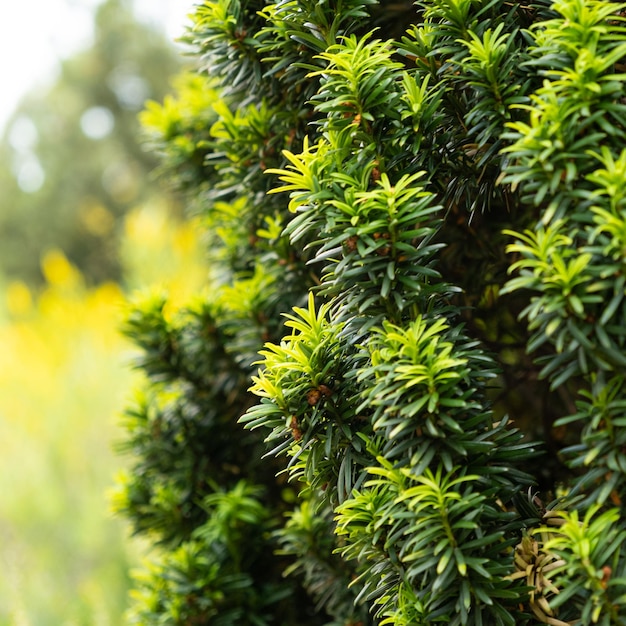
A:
(83, 224)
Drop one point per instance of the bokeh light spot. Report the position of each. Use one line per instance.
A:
(30, 175)
(97, 122)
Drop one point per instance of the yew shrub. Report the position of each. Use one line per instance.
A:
(401, 398)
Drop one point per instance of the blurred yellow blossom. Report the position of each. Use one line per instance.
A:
(19, 299)
(58, 271)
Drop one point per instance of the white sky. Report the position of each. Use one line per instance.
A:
(34, 34)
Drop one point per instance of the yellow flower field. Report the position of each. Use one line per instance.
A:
(64, 377)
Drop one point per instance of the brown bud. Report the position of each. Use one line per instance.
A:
(325, 391)
(296, 433)
(313, 396)
(351, 242)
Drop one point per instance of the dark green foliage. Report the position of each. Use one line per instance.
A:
(216, 576)
(401, 203)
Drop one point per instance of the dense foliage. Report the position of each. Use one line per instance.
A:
(401, 400)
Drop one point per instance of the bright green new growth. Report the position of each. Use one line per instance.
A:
(401, 203)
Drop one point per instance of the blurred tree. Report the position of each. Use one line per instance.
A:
(70, 159)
